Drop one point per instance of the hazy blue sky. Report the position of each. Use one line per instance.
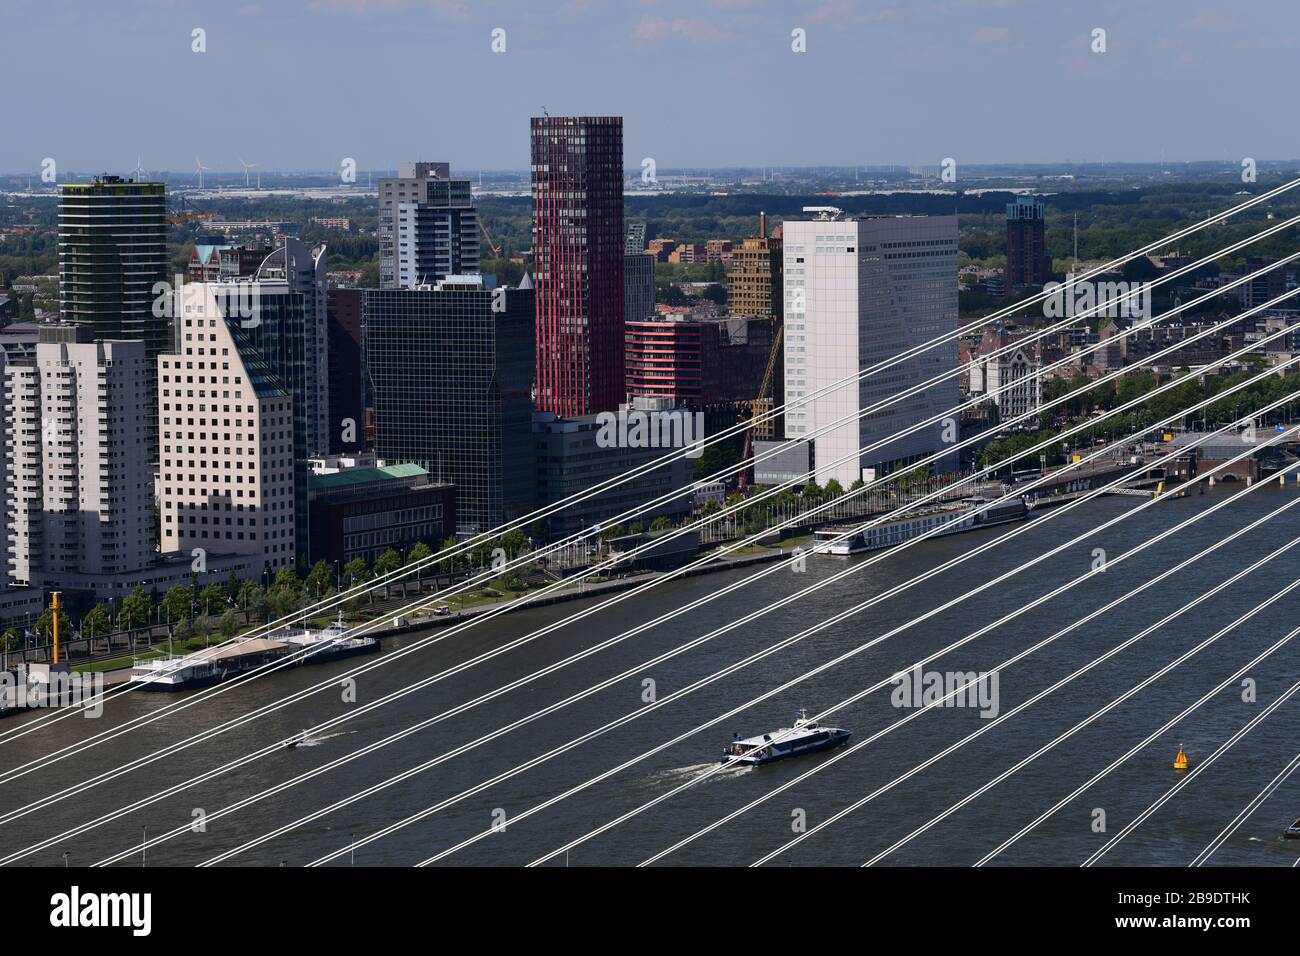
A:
(299, 84)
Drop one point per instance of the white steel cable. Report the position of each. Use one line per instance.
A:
(1075, 625)
(12, 815)
(1256, 802)
(820, 668)
(1163, 729)
(1191, 775)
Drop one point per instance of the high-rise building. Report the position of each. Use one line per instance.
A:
(635, 243)
(451, 373)
(347, 404)
(227, 432)
(857, 293)
(79, 482)
(698, 363)
(754, 291)
(638, 287)
(1009, 376)
(428, 226)
(1027, 260)
(112, 250)
(578, 247)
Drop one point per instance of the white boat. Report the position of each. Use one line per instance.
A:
(175, 673)
(937, 522)
(805, 737)
(328, 644)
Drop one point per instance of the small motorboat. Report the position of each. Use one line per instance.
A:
(1292, 832)
(297, 741)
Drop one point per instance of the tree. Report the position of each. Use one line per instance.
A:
(212, 599)
(136, 610)
(387, 563)
(178, 603)
(661, 524)
(319, 578)
(418, 557)
(229, 625)
(96, 623)
(45, 624)
(355, 572)
(250, 594)
(286, 581)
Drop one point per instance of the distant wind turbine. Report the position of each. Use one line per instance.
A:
(247, 167)
(200, 171)
(139, 169)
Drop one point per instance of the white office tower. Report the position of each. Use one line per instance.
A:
(428, 226)
(857, 293)
(80, 486)
(226, 471)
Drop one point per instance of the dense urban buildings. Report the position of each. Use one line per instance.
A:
(1027, 260)
(698, 362)
(755, 291)
(79, 492)
(362, 511)
(227, 437)
(112, 250)
(857, 293)
(570, 461)
(1007, 373)
(428, 227)
(578, 248)
(451, 370)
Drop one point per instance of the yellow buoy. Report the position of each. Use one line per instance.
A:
(1180, 762)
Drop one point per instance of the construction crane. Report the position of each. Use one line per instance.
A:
(760, 405)
(191, 212)
(496, 250)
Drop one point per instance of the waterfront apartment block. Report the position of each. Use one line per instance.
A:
(857, 293)
(78, 482)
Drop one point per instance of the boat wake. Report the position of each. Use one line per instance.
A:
(317, 741)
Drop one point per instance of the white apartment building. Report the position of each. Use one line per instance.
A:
(857, 293)
(79, 485)
(226, 469)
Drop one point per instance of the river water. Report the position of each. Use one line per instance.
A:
(1171, 836)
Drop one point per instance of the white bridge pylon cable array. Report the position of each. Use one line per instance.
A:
(1193, 773)
(835, 619)
(1068, 629)
(1141, 745)
(27, 768)
(776, 738)
(456, 710)
(1150, 629)
(1246, 812)
(345, 717)
(416, 567)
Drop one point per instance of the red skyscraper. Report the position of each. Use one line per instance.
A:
(578, 251)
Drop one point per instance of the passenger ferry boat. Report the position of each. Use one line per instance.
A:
(175, 673)
(952, 519)
(329, 644)
(805, 737)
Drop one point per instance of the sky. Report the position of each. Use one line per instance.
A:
(303, 84)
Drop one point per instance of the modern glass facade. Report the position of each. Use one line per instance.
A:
(452, 382)
(578, 244)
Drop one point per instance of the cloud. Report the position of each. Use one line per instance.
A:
(652, 28)
(991, 35)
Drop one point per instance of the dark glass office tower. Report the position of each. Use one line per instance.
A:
(112, 250)
(451, 381)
